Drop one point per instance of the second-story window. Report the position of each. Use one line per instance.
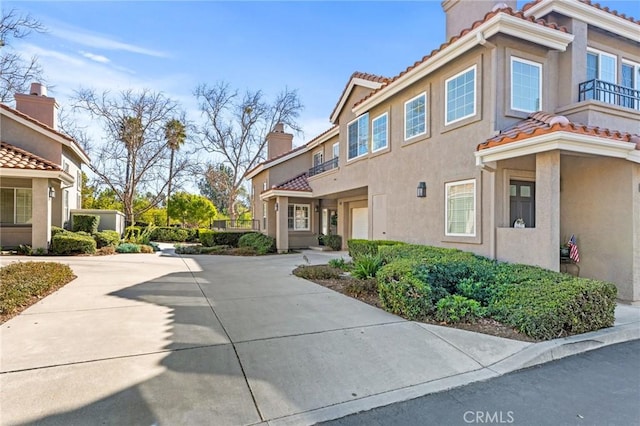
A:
(631, 81)
(601, 66)
(415, 116)
(336, 150)
(526, 85)
(460, 96)
(358, 136)
(379, 139)
(317, 158)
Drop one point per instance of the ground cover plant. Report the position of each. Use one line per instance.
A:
(452, 287)
(24, 283)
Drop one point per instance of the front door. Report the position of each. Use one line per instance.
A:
(522, 202)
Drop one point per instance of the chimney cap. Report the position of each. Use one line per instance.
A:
(278, 128)
(38, 89)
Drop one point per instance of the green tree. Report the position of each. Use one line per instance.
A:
(191, 209)
(175, 135)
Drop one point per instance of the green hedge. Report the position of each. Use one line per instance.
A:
(333, 241)
(72, 243)
(359, 248)
(551, 308)
(106, 238)
(210, 238)
(401, 292)
(261, 243)
(86, 223)
(171, 234)
(55, 230)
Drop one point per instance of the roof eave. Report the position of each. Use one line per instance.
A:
(271, 193)
(35, 173)
(345, 95)
(587, 13)
(331, 133)
(501, 23)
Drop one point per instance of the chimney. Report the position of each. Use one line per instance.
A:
(38, 105)
(461, 14)
(278, 142)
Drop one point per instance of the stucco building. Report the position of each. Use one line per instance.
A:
(531, 114)
(40, 171)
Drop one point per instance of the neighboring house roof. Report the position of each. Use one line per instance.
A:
(358, 78)
(298, 183)
(12, 157)
(590, 3)
(66, 139)
(541, 123)
(521, 18)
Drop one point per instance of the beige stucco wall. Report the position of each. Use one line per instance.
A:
(30, 140)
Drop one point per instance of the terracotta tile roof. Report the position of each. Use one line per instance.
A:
(540, 123)
(365, 76)
(590, 3)
(12, 157)
(488, 16)
(298, 183)
(42, 125)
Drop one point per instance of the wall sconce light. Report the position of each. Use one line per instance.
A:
(316, 209)
(276, 206)
(421, 190)
(52, 192)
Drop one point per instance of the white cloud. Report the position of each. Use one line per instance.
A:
(94, 57)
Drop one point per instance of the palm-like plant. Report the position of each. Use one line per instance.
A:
(175, 135)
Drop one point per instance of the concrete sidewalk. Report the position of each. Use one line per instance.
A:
(162, 339)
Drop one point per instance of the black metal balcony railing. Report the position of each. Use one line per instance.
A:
(321, 168)
(235, 225)
(610, 93)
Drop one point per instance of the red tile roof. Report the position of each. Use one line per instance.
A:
(12, 157)
(298, 183)
(453, 39)
(365, 76)
(590, 3)
(42, 125)
(540, 123)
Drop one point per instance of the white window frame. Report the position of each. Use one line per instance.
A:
(407, 137)
(386, 132)
(313, 158)
(15, 206)
(636, 75)
(65, 205)
(335, 150)
(537, 65)
(356, 121)
(295, 224)
(473, 67)
(446, 208)
(600, 54)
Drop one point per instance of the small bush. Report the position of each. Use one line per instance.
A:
(366, 266)
(455, 308)
(106, 238)
(106, 251)
(340, 264)
(85, 222)
(25, 250)
(359, 248)
(128, 248)
(557, 307)
(332, 241)
(261, 243)
(72, 243)
(171, 234)
(401, 292)
(56, 230)
(210, 238)
(317, 272)
(146, 249)
(26, 282)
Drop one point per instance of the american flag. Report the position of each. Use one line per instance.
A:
(573, 249)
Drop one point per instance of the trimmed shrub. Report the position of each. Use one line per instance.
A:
(106, 238)
(171, 234)
(56, 230)
(424, 254)
(317, 272)
(72, 243)
(332, 241)
(211, 238)
(551, 308)
(359, 248)
(455, 308)
(401, 292)
(366, 266)
(86, 222)
(128, 248)
(261, 243)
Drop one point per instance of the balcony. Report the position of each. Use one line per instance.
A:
(610, 93)
(321, 168)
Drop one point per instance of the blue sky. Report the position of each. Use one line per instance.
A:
(172, 46)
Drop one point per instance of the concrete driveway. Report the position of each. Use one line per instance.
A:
(162, 339)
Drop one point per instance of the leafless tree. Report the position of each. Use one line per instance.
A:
(134, 154)
(236, 127)
(17, 72)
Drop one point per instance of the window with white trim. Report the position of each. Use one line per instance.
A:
(65, 203)
(336, 150)
(601, 66)
(415, 116)
(460, 96)
(317, 158)
(298, 217)
(460, 208)
(16, 206)
(630, 80)
(526, 85)
(379, 133)
(358, 137)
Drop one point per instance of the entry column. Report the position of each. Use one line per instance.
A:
(282, 224)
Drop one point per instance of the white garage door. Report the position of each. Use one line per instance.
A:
(360, 223)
